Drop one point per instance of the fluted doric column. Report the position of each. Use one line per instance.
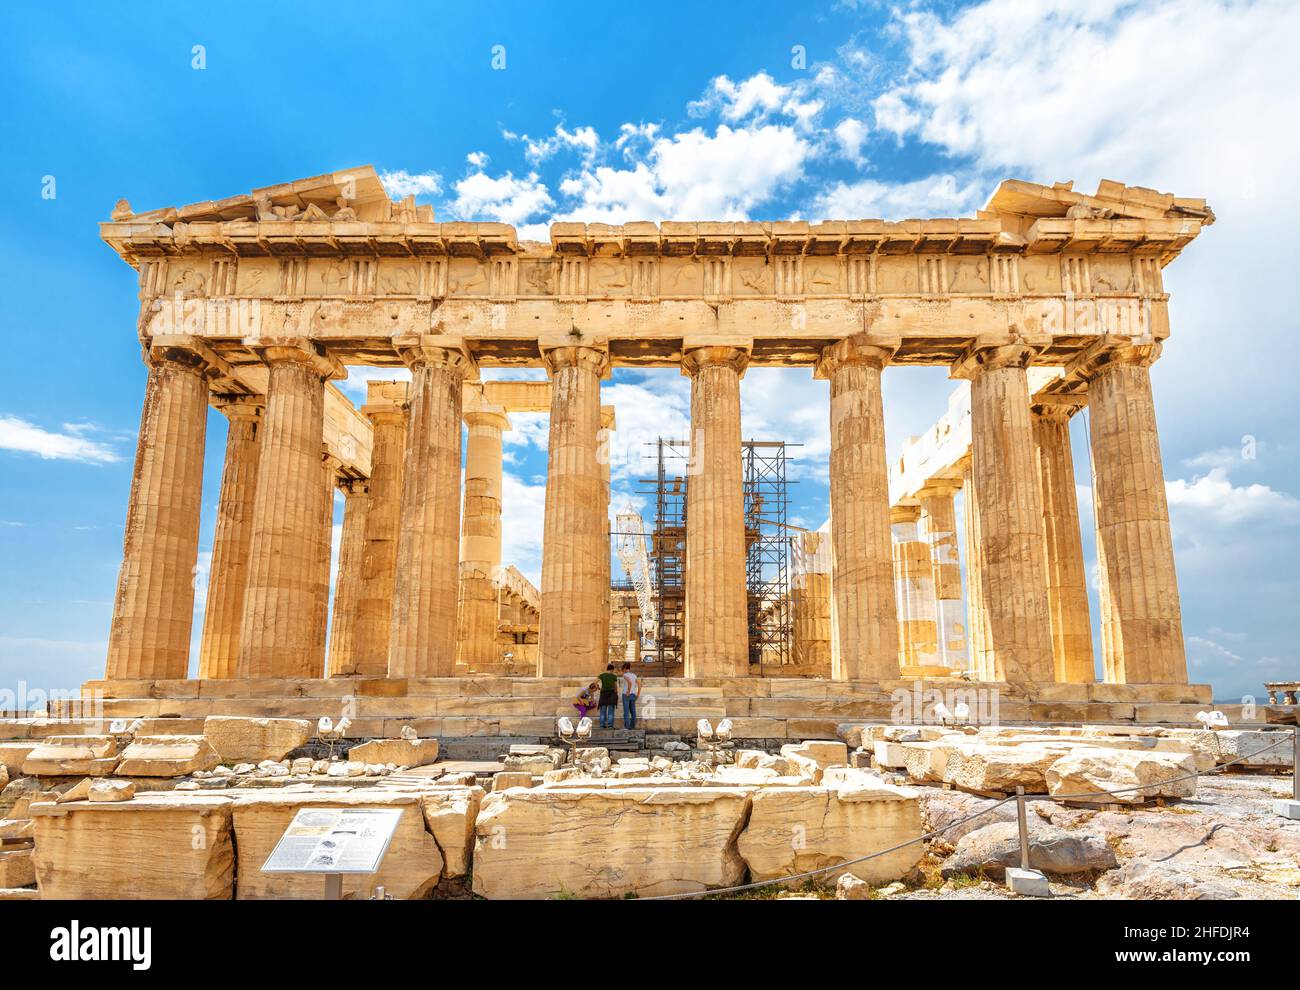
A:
(1142, 614)
(330, 466)
(981, 663)
(862, 575)
(1067, 583)
(347, 582)
(938, 529)
(386, 408)
(422, 642)
(224, 611)
(480, 537)
(153, 611)
(1014, 561)
(279, 635)
(575, 523)
(604, 448)
(717, 625)
(918, 640)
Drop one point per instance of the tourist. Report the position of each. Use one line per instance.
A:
(631, 688)
(608, 696)
(587, 699)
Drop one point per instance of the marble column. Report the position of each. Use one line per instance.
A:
(422, 642)
(981, 664)
(153, 611)
(386, 408)
(480, 538)
(717, 624)
(939, 531)
(862, 576)
(228, 574)
(1067, 583)
(1014, 562)
(914, 590)
(810, 605)
(573, 575)
(330, 466)
(1143, 633)
(347, 581)
(279, 632)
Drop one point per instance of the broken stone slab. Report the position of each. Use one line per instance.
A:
(72, 756)
(449, 815)
(159, 846)
(756, 759)
(1093, 772)
(824, 752)
(927, 761)
(167, 756)
(850, 888)
(251, 740)
(411, 867)
(14, 754)
(77, 792)
(512, 778)
(107, 791)
(1001, 768)
(994, 848)
(797, 829)
(17, 830)
(16, 869)
(1252, 747)
(889, 754)
(402, 752)
(537, 843)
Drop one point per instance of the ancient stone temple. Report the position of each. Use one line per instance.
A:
(1046, 302)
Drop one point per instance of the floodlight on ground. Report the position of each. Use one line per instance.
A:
(584, 728)
(1212, 720)
(704, 729)
(564, 726)
(723, 732)
(961, 712)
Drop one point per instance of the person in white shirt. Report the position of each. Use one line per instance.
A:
(631, 686)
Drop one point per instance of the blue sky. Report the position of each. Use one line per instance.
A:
(652, 111)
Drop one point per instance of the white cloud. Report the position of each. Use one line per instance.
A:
(522, 524)
(506, 199)
(403, 183)
(1199, 647)
(583, 140)
(943, 195)
(19, 435)
(1213, 496)
(479, 159)
(850, 134)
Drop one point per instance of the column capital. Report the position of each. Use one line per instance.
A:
(904, 514)
(1140, 352)
(991, 354)
(1057, 408)
(186, 351)
(870, 349)
(588, 357)
(436, 351)
(353, 486)
(939, 488)
(492, 416)
(296, 350)
(235, 407)
(697, 359)
(330, 462)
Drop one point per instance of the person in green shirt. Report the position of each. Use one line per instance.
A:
(608, 696)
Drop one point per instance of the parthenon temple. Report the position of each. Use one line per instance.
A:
(1046, 302)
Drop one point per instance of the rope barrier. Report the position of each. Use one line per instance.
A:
(1090, 795)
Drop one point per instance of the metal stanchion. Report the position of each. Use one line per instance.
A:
(1025, 880)
(1291, 809)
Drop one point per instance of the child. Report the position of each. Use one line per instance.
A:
(586, 699)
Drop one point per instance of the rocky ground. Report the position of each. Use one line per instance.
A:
(1224, 843)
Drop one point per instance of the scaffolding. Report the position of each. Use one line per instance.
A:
(767, 553)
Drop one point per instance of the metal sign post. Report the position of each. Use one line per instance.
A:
(333, 842)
